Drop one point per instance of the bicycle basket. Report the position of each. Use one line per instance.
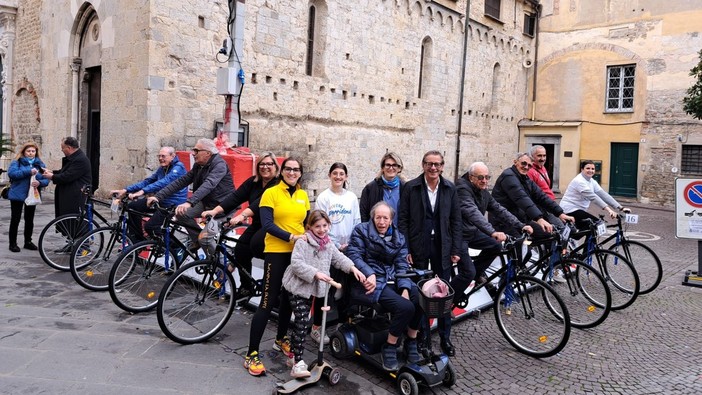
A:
(435, 297)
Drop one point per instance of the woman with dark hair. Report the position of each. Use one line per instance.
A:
(385, 187)
(283, 208)
(582, 191)
(341, 205)
(250, 243)
(25, 165)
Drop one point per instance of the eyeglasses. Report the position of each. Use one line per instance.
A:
(391, 166)
(525, 164)
(197, 151)
(433, 164)
(292, 169)
(482, 177)
(266, 164)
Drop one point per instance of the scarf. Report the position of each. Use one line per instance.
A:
(391, 184)
(322, 242)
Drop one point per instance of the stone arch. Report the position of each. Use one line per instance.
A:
(317, 26)
(425, 67)
(450, 22)
(626, 53)
(27, 115)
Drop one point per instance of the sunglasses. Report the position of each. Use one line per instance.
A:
(482, 177)
(526, 164)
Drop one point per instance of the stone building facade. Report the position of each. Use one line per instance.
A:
(632, 123)
(129, 76)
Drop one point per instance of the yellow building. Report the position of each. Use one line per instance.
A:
(607, 85)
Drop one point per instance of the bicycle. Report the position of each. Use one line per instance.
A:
(644, 259)
(57, 239)
(620, 275)
(93, 255)
(198, 299)
(529, 312)
(139, 272)
(584, 289)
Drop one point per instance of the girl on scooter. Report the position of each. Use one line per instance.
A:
(379, 251)
(309, 267)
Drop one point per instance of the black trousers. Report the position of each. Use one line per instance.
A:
(152, 226)
(16, 207)
(250, 245)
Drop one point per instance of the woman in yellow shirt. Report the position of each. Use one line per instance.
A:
(283, 208)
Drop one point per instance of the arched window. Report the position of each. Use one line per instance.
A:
(316, 38)
(424, 67)
(496, 83)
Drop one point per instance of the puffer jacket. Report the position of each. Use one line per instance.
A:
(306, 261)
(373, 254)
(162, 177)
(20, 173)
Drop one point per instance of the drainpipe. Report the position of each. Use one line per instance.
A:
(462, 90)
(536, 5)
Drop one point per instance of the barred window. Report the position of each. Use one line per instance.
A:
(620, 88)
(691, 159)
(492, 8)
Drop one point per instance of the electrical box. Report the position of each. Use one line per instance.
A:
(227, 81)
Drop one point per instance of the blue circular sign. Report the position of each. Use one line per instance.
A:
(693, 194)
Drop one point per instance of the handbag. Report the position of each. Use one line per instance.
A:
(33, 196)
(5, 193)
(435, 288)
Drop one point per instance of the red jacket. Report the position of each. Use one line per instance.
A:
(540, 177)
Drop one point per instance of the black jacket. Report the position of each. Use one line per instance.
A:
(372, 193)
(75, 173)
(249, 191)
(522, 197)
(413, 200)
(212, 182)
(475, 202)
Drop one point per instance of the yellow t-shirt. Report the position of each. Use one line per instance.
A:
(288, 214)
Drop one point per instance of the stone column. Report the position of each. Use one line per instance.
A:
(7, 49)
(75, 70)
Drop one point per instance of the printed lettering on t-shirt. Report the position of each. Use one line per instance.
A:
(337, 212)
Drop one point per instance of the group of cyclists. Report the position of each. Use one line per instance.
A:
(427, 222)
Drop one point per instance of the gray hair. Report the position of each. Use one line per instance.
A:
(520, 154)
(533, 150)
(475, 165)
(208, 145)
(381, 204)
(169, 149)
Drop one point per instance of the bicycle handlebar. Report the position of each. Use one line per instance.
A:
(414, 273)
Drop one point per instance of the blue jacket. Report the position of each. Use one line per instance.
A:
(161, 178)
(374, 255)
(20, 173)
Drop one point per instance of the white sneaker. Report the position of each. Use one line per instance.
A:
(316, 334)
(299, 370)
(558, 276)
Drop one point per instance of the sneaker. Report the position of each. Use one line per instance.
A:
(558, 276)
(316, 334)
(30, 246)
(299, 370)
(283, 345)
(253, 363)
(411, 351)
(388, 355)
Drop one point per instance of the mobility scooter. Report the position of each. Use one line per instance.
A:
(366, 331)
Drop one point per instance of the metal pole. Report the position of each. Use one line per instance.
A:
(231, 101)
(464, 64)
(699, 258)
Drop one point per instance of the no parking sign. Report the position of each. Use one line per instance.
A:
(688, 208)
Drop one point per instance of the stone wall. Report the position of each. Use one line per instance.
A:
(159, 65)
(25, 100)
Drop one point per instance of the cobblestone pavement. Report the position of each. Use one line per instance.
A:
(56, 337)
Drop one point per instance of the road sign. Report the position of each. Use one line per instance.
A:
(688, 208)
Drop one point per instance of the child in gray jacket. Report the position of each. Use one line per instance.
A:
(312, 257)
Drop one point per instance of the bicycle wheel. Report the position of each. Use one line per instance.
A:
(58, 237)
(525, 317)
(196, 302)
(138, 275)
(620, 276)
(584, 292)
(645, 261)
(93, 255)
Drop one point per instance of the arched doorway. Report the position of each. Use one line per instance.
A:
(87, 86)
